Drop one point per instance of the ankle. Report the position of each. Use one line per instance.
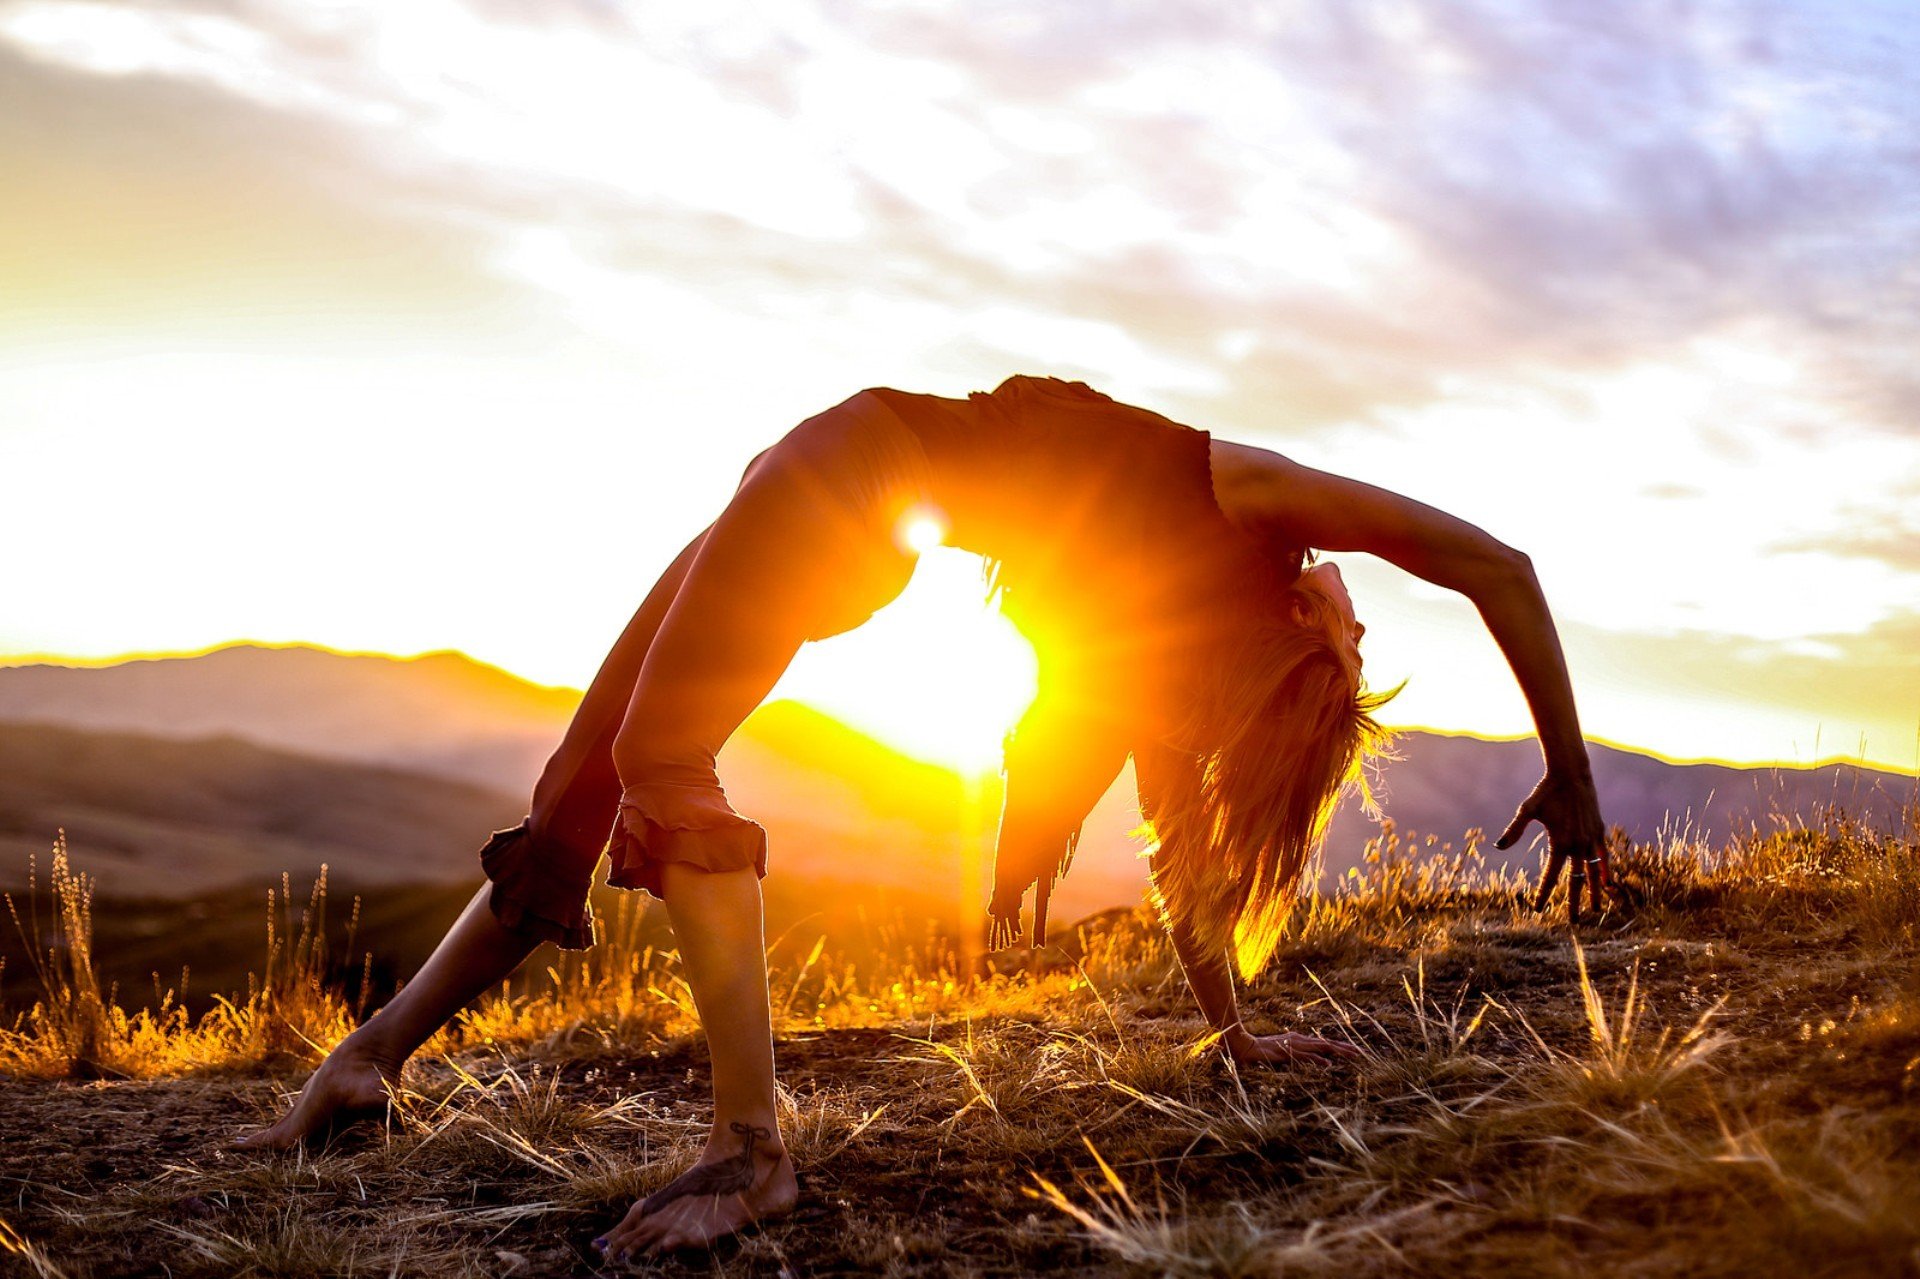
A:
(367, 1046)
(725, 1141)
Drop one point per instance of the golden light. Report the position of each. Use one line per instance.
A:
(936, 674)
(920, 531)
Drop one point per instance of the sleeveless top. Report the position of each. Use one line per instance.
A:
(1108, 550)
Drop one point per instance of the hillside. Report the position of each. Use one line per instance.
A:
(441, 713)
(158, 817)
(1444, 784)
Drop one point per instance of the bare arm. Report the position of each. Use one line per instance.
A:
(1211, 980)
(1208, 973)
(1269, 495)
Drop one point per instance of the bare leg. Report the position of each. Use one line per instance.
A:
(477, 953)
(744, 1174)
(791, 557)
(572, 809)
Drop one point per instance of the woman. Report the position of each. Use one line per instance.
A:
(1163, 578)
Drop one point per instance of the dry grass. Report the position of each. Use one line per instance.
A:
(1727, 1082)
(76, 1029)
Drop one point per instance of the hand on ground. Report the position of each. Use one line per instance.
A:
(1289, 1047)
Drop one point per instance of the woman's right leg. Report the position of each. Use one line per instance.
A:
(805, 548)
(573, 808)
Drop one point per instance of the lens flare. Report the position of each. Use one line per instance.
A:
(921, 530)
(936, 674)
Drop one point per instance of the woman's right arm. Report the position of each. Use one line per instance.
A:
(1210, 978)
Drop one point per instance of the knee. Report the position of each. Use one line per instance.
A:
(641, 755)
(633, 756)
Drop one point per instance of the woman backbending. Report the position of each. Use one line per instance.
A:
(1163, 577)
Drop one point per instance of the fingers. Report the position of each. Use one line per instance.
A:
(1609, 887)
(1515, 828)
(1340, 1051)
(1556, 861)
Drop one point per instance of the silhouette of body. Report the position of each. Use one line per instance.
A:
(1121, 540)
(1107, 545)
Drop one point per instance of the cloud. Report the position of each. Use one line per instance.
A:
(1829, 693)
(1382, 200)
(1625, 283)
(1340, 210)
(136, 202)
(1896, 546)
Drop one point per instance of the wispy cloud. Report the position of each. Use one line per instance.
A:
(1356, 203)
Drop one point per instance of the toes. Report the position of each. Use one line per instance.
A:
(682, 1224)
(639, 1227)
(628, 1237)
(280, 1136)
(647, 1235)
(660, 1232)
(701, 1228)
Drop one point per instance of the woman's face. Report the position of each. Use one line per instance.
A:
(1326, 579)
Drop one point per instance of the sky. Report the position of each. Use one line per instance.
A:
(433, 324)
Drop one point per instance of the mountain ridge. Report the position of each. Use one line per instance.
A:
(825, 789)
(562, 697)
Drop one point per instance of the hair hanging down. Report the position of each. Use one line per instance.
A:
(1281, 728)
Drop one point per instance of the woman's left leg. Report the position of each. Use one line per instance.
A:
(744, 1174)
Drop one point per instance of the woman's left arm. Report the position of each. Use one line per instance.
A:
(1270, 495)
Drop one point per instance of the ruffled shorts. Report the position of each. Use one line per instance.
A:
(808, 547)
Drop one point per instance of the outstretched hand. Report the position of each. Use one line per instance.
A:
(1274, 1049)
(1570, 811)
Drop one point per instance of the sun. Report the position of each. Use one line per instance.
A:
(936, 674)
(921, 531)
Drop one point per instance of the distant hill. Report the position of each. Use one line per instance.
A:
(441, 713)
(154, 817)
(838, 805)
(1444, 785)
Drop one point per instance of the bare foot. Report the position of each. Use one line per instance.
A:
(743, 1176)
(349, 1086)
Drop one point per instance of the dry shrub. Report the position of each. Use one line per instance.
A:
(290, 1012)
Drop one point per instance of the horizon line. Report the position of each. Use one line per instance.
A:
(76, 662)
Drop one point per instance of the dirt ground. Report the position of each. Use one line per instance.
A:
(1725, 1083)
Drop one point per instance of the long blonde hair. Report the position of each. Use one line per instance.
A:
(1281, 727)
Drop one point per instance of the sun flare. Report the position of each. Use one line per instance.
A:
(920, 531)
(936, 674)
